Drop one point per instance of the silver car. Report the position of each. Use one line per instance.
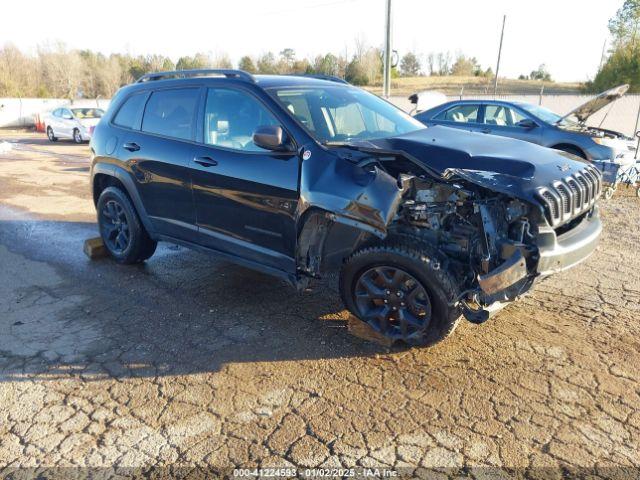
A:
(537, 124)
(76, 123)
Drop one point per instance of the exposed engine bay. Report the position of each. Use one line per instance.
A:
(479, 231)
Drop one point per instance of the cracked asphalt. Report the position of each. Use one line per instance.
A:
(192, 366)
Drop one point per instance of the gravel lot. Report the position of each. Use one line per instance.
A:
(198, 366)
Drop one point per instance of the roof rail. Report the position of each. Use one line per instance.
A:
(329, 78)
(241, 74)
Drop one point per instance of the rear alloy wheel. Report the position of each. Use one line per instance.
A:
(115, 227)
(76, 136)
(401, 289)
(50, 135)
(123, 235)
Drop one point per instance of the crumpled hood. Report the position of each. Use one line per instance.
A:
(514, 167)
(584, 111)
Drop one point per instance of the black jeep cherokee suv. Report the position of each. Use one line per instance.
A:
(297, 175)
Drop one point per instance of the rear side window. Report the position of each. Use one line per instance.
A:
(460, 114)
(171, 112)
(128, 113)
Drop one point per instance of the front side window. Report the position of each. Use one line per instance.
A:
(231, 117)
(467, 113)
(129, 112)
(502, 116)
(343, 114)
(170, 112)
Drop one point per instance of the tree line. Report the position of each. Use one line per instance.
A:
(55, 71)
(622, 64)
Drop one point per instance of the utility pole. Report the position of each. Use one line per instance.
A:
(604, 49)
(495, 81)
(386, 81)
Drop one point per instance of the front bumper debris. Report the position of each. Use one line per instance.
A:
(508, 273)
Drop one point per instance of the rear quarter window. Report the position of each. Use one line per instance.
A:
(130, 110)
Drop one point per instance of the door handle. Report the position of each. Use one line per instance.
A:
(131, 146)
(205, 161)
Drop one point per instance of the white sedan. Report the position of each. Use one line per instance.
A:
(74, 123)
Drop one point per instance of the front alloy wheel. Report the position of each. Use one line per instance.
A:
(76, 136)
(392, 302)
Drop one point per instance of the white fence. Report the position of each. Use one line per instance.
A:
(621, 116)
(21, 112)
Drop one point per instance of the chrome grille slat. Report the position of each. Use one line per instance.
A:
(571, 196)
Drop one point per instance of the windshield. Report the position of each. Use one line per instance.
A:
(336, 115)
(545, 114)
(81, 113)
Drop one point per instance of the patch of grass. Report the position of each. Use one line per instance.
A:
(450, 85)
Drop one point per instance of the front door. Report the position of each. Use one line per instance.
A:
(505, 121)
(67, 123)
(245, 196)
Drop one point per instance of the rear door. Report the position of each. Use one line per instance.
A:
(158, 149)
(503, 120)
(245, 196)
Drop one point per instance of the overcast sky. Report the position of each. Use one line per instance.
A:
(566, 35)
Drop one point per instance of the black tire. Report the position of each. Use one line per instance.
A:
(572, 150)
(123, 235)
(77, 138)
(422, 264)
(50, 135)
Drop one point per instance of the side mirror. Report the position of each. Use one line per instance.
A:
(527, 123)
(270, 137)
(638, 134)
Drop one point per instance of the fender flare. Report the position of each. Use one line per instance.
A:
(125, 179)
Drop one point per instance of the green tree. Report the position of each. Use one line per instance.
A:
(246, 64)
(267, 63)
(623, 62)
(199, 60)
(625, 25)
(465, 66)
(410, 65)
(541, 73)
(326, 65)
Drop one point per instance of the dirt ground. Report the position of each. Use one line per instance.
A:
(194, 366)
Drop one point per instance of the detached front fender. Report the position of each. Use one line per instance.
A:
(342, 204)
(363, 197)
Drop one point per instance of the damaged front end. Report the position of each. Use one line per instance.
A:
(495, 238)
(489, 239)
